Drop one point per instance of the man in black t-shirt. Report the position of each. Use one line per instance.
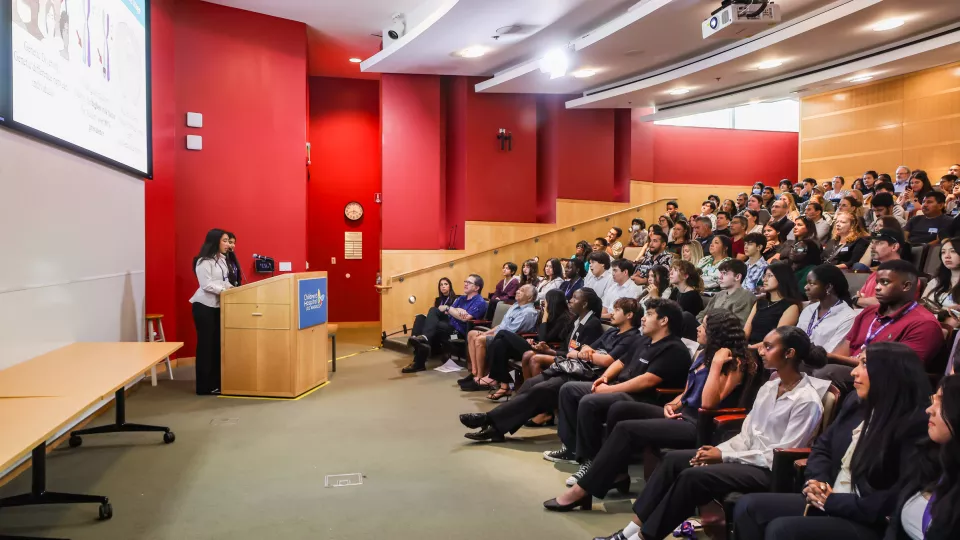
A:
(660, 358)
(933, 225)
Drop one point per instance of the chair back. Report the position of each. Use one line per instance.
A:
(831, 406)
(501, 310)
(918, 253)
(856, 280)
(631, 253)
(690, 325)
(606, 327)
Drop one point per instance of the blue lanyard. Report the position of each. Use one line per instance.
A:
(927, 514)
(815, 322)
(871, 335)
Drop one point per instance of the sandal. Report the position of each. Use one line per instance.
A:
(486, 383)
(499, 394)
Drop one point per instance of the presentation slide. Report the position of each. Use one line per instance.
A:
(80, 75)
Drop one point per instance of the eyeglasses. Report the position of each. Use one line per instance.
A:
(469, 283)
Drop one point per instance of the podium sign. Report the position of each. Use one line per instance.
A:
(312, 299)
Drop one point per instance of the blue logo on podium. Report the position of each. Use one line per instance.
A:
(312, 294)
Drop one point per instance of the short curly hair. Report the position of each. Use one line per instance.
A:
(725, 331)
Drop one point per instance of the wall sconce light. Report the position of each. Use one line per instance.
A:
(506, 140)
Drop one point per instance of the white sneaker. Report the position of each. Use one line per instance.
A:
(581, 472)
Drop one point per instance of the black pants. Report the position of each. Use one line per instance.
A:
(780, 516)
(207, 322)
(632, 427)
(538, 394)
(506, 346)
(436, 328)
(676, 490)
(582, 415)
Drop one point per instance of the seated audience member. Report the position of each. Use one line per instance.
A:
(804, 256)
(757, 188)
(714, 380)
(709, 264)
(506, 289)
(691, 252)
(658, 286)
(709, 210)
(886, 186)
(814, 211)
(731, 207)
(885, 245)
(943, 292)
(857, 185)
(850, 241)
(928, 499)
(779, 219)
(912, 197)
(715, 198)
(723, 223)
(755, 203)
(932, 225)
(599, 245)
(780, 305)
(738, 231)
(768, 197)
(785, 186)
(621, 286)
(530, 273)
(803, 228)
(786, 414)
(776, 249)
(583, 250)
(896, 317)
(552, 277)
(954, 169)
(585, 307)
(793, 212)
(614, 246)
(753, 246)
(851, 204)
(732, 296)
(869, 182)
(685, 280)
(638, 233)
(659, 358)
(902, 181)
(445, 297)
(656, 255)
(574, 273)
(443, 321)
(828, 318)
(836, 192)
(600, 276)
(855, 467)
(703, 229)
(753, 221)
(881, 206)
(520, 318)
(666, 225)
(807, 185)
(682, 233)
(539, 393)
(674, 213)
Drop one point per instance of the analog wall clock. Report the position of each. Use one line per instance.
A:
(353, 211)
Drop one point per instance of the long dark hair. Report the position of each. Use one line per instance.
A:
(807, 353)
(899, 389)
(211, 246)
(450, 296)
(554, 265)
(947, 488)
(927, 186)
(234, 272)
(586, 248)
(787, 284)
(594, 303)
(660, 276)
(557, 308)
(725, 331)
(944, 274)
(534, 273)
(809, 225)
(686, 232)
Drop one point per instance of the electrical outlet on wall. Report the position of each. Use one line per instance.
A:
(286, 266)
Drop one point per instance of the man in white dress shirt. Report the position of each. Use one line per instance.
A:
(599, 277)
(621, 286)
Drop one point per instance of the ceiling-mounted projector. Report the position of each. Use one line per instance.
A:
(736, 20)
(395, 31)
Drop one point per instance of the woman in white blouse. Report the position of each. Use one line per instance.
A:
(828, 317)
(552, 277)
(213, 276)
(785, 414)
(943, 291)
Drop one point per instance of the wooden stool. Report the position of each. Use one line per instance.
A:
(162, 338)
(332, 334)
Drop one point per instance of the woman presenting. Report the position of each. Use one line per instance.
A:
(213, 276)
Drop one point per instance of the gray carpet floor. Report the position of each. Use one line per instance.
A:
(254, 469)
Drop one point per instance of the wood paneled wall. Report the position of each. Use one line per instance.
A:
(911, 120)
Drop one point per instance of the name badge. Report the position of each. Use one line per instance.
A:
(643, 360)
(932, 230)
(573, 344)
(454, 336)
(845, 248)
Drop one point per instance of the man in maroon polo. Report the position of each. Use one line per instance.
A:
(896, 317)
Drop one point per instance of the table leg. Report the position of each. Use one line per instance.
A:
(39, 494)
(120, 426)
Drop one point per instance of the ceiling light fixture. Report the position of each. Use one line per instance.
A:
(678, 91)
(355, 60)
(888, 24)
(584, 73)
(555, 63)
(473, 52)
(862, 78)
(770, 64)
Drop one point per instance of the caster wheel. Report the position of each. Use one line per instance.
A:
(169, 437)
(106, 511)
(75, 441)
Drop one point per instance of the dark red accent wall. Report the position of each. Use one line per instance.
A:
(583, 150)
(686, 155)
(412, 134)
(641, 147)
(246, 74)
(621, 155)
(345, 167)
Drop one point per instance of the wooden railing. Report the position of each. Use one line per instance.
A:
(406, 294)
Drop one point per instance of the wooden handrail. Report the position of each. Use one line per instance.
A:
(558, 230)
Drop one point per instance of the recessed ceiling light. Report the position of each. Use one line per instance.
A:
(770, 64)
(861, 78)
(678, 91)
(473, 52)
(584, 73)
(356, 60)
(888, 24)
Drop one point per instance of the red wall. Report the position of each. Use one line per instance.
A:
(582, 149)
(641, 147)
(246, 73)
(345, 167)
(686, 155)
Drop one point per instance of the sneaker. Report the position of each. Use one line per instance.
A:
(563, 455)
(581, 472)
(413, 367)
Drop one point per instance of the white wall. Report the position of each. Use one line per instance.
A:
(71, 250)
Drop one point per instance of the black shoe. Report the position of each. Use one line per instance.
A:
(623, 486)
(585, 503)
(563, 455)
(465, 380)
(488, 433)
(616, 536)
(472, 386)
(413, 367)
(474, 420)
(530, 423)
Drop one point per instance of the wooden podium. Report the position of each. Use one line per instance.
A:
(268, 346)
